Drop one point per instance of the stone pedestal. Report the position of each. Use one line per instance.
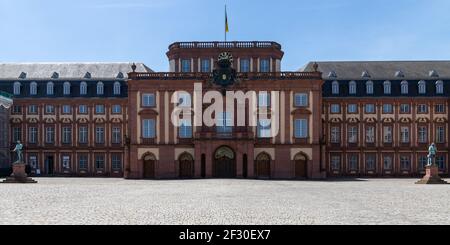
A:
(432, 176)
(19, 175)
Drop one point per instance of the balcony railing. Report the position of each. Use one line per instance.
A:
(243, 76)
(234, 133)
(244, 44)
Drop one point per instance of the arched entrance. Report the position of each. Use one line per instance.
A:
(262, 165)
(149, 166)
(301, 166)
(186, 166)
(224, 163)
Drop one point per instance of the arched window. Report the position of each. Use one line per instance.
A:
(66, 88)
(422, 87)
(369, 87)
(50, 86)
(387, 87)
(16, 88)
(83, 88)
(335, 87)
(439, 87)
(100, 88)
(404, 87)
(116, 88)
(352, 87)
(33, 88)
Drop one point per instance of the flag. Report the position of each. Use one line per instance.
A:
(226, 20)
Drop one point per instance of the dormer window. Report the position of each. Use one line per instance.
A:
(23, 75)
(87, 75)
(66, 88)
(404, 87)
(369, 87)
(83, 88)
(33, 88)
(352, 87)
(116, 88)
(399, 74)
(433, 74)
(387, 87)
(365, 74)
(120, 75)
(100, 88)
(16, 88)
(50, 88)
(335, 88)
(55, 75)
(439, 87)
(332, 74)
(422, 87)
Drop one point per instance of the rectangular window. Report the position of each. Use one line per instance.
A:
(301, 100)
(335, 136)
(370, 134)
(99, 162)
(263, 99)
(17, 109)
(422, 108)
(264, 128)
(387, 163)
(440, 134)
(66, 109)
(423, 161)
(116, 109)
(32, 135)
(66, 162)
(82, 109)
(148, 129)
(387, 134)
(116, 135)
(405, 163)
(371, 162)
(387, 109)
(335, 163)
(185, 129)
(404, 134)
(116, 162)
(301, 128)
(49, 109)
(440, 161)
(49, 135)
(224, 123)
(352, 108)
(335, 108)
(352, 134)
(66, 135)
(99, 109)
(32, 109)
(184, 99)
(439, 108)
(83, 135)
(370, 108)
(405, 109)
(206, 65)
(353, 162)
(423, 134)
(17, 134)
(83, 162)
(99, 135)
(185, 65)
(33, 162)
(148, 100)
(264, 65)
(245, 65)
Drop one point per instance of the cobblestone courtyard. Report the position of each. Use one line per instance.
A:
(118, 201)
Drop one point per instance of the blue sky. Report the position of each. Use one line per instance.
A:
(141, 30)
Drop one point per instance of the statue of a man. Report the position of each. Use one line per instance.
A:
(432, 150)
(18, 151)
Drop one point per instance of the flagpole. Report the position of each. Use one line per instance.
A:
(226, 20)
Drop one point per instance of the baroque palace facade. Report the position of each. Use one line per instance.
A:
(331, 118)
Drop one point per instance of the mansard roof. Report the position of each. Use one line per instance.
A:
(68, 71)
(383, 70)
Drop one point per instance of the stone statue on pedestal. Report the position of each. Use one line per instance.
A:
(432, 170)
(432, 150)
(19, 152)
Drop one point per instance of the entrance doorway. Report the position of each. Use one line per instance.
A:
(263, 166)
(224, 163)
(149, 166)
(49, 165)
(300, 166)
(186, 166)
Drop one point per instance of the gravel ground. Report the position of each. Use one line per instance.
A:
(223, 202)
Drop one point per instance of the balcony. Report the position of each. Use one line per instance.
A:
(244, 133)
(206, 45)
